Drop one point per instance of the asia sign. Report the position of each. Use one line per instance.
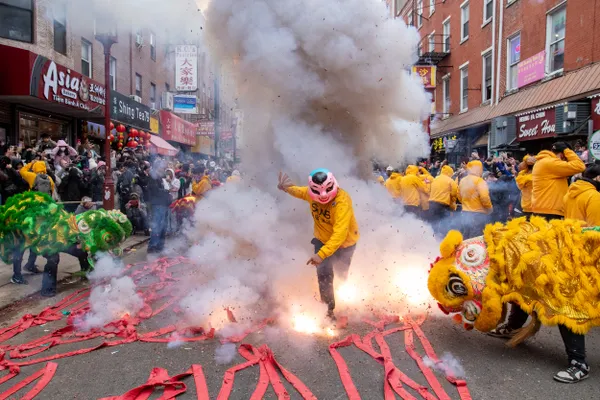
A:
(427, 75)
(536, 125)
(177, 129)
(53, 82)
(206, 128)
(129, 111)
(186, 68)
(532, 69)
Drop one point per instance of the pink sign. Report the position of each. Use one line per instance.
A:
(177, 129)
(532, 69)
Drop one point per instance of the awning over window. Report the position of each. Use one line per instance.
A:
(162, 147)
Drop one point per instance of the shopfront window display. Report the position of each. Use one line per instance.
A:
(33, 127)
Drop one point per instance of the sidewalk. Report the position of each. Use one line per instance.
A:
(10, 293)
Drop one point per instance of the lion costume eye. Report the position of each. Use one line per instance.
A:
(122, 218)
(83, 227)
(456, 286)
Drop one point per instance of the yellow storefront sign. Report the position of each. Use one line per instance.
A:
(204, 145)
(154, 125)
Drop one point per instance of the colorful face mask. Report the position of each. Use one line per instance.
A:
(322, 186)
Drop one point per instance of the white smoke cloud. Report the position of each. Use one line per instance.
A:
(322, 83)
(447, 365)
(111, 302)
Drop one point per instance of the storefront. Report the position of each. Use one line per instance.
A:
(45, 97)
(180, 133)
(536, 130)
(131, 119)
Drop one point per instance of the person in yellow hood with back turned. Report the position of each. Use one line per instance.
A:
(414, 191)
(524, 182)
(582, 201)
(392, 184)
(550, 180)
(474, 194)
(43, 183)
(442, 198)
(336, 230)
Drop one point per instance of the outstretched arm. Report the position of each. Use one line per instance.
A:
(285, 184)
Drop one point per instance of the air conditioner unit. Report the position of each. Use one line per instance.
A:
(167, 101)
(572, 116)
(139, 40)
(136, 98)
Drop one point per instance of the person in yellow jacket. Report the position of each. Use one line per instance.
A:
(392, 184)
(582, 201)
(30, 173)
(235, 177)
(442, 199)
(199, 188)
(474, 194)
(524, 182)
(413, 191)
(427, 179)
(335, 230)
(550, 180)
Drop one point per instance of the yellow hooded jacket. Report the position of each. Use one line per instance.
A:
(525, 183)
(335, 224)
(233, 179)
(444, 189)
(199, 188)
(392, 184)
(550, 183)
(473, 191)
(31, 170)
(582, 202)
(414, 191)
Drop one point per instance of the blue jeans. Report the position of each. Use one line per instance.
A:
(159, 228)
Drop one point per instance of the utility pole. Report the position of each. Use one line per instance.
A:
(217, 108)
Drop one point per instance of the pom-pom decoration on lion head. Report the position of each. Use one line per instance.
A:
(550, 269)
(103, 231)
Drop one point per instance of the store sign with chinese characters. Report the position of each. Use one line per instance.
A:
(427, 75)
(206, 128)
(186, 68)
(62, 85)
(177, 129)
(596, 112)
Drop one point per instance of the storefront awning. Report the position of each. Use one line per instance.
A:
(481, 142)
(162, 147)
(471, 118)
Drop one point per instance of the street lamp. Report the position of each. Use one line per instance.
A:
(106, 33)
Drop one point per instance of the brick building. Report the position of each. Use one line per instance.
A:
(35, 33)
(512, 75)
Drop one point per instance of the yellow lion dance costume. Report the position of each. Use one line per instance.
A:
(550, 269)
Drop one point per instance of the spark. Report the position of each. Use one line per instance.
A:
(305, 324)
(348, 293)
(331, 332)
(412, 282)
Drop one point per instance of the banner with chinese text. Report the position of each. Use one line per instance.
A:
(186, 68)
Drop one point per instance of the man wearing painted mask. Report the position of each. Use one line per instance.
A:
(335, 230)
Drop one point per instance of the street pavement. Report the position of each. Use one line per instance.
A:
(492, 370)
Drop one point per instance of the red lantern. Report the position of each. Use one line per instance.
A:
(132, 144)
(148, 136)
(111, 137)
(133, 133)
(141, 134)
(112, 126)
(121, 128)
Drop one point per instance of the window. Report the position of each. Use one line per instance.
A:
(432, 42)
(16, 20)
(486, 92)
(152, 47)
(446, 96)
(420, 49)
(431, 7)
(514, 56)
(488, 10)
(153, 95)
(464, 21)
(419, 13)
(167, 87)
(464, 87)
(555, 40)
(138, 85)
(409, 19)
(446, 44)
(86, 58)
(60, 29)
(113, 73)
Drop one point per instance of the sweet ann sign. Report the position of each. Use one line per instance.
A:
(536, 125)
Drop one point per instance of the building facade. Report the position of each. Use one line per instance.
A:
(38, 37)
(512, 75)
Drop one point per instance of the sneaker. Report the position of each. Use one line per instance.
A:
(19, 280)
(503, 331)
(575, 373)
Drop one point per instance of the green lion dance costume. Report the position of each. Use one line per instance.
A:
(550, 269)
(32, 220)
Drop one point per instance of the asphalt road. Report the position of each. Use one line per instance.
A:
(492, 370)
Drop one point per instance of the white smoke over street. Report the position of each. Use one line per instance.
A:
(322, 83)
(447, 365)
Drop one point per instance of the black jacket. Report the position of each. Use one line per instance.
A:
(157, 194)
